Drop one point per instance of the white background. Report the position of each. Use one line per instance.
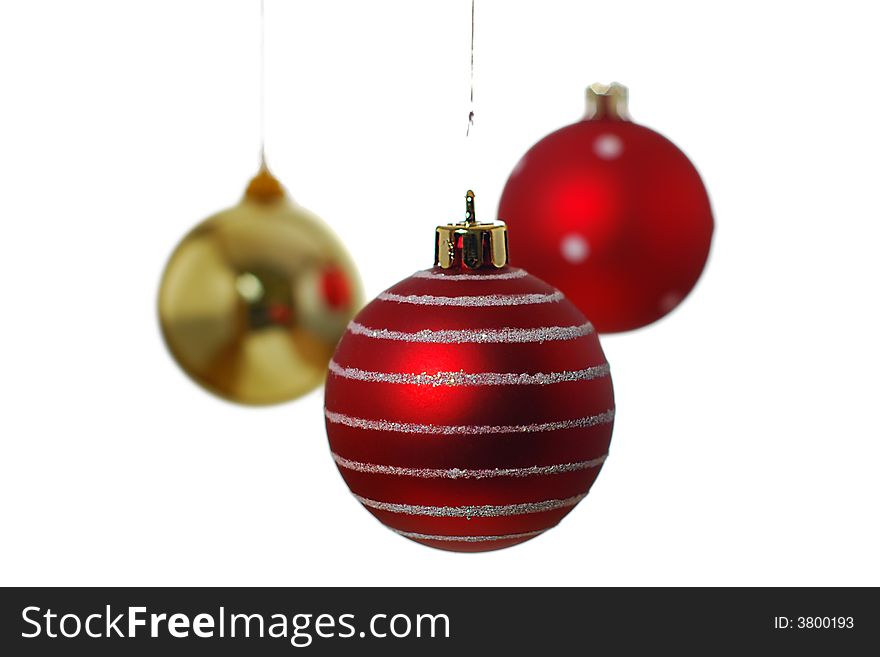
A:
(746, 446)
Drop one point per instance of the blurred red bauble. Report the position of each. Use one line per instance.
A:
(627, 220)
(470, 406)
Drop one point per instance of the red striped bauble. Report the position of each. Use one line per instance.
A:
(469, 409)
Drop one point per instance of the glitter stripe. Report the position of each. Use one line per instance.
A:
(479, 336)
(505, 276)
(482, 301)
(460, 430)
(479, 511)
(463, 378)
(460, 473)
(466, 539)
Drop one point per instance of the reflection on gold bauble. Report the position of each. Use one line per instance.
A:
(254, 299)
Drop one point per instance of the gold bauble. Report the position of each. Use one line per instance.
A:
(254, 299)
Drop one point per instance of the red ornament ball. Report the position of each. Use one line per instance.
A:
(469, 409)
(627, 220)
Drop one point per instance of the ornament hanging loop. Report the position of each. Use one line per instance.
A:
(470, 213)
(607, 101)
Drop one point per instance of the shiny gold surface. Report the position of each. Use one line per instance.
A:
(469, 242)
(254, 299)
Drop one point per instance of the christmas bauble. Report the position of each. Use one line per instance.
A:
(627, 221)
(254, 299)
(470, 406)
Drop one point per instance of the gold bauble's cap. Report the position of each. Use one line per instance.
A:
(607, 101)
(264, 187)
(470, 244)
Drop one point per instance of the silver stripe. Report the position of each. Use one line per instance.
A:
(466, 539)
(479, 511)
(464, 429)
(462, 378)
(505, 276)
(462, 473)
(478, 336)
(485, 300)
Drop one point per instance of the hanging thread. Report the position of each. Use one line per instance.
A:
(471, 113)
(263, 84)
